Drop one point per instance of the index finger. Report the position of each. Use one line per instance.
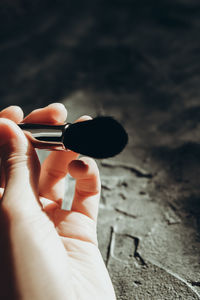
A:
(54, 113)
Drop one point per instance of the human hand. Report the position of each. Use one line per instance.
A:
(46, 252)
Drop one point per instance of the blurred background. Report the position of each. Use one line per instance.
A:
(138, 61)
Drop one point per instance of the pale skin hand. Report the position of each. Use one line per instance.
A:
(46, 252)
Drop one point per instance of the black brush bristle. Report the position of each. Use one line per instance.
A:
(101, 137)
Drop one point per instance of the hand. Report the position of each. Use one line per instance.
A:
(46, 252)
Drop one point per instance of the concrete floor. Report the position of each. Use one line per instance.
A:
(139, 63)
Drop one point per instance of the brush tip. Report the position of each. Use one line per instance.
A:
(101, 137)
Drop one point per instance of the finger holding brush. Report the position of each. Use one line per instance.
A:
(54, 170)
(55, 166)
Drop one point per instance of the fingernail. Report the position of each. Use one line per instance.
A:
(57, 105)
(83, 164)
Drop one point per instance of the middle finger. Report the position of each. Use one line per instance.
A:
(53, 172)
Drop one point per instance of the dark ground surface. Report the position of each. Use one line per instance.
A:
(139, 62)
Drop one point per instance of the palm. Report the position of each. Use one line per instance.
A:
(78, 235)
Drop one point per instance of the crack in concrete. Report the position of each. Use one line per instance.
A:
(109, 246)
(122, 196)
(195, 283)
(138, 257)
(122, 183)
(125, 213)
(137, 283)
(139, 172)
(105, 187)
(189, 284)
(136, 254)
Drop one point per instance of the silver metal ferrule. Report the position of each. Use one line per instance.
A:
(43, 136)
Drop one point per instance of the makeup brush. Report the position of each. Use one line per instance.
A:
(101, 137)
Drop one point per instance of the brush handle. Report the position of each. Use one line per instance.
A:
(44, 136)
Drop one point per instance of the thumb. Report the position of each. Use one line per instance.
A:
(22, 169)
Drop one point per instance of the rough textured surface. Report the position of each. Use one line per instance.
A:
(138, 62)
